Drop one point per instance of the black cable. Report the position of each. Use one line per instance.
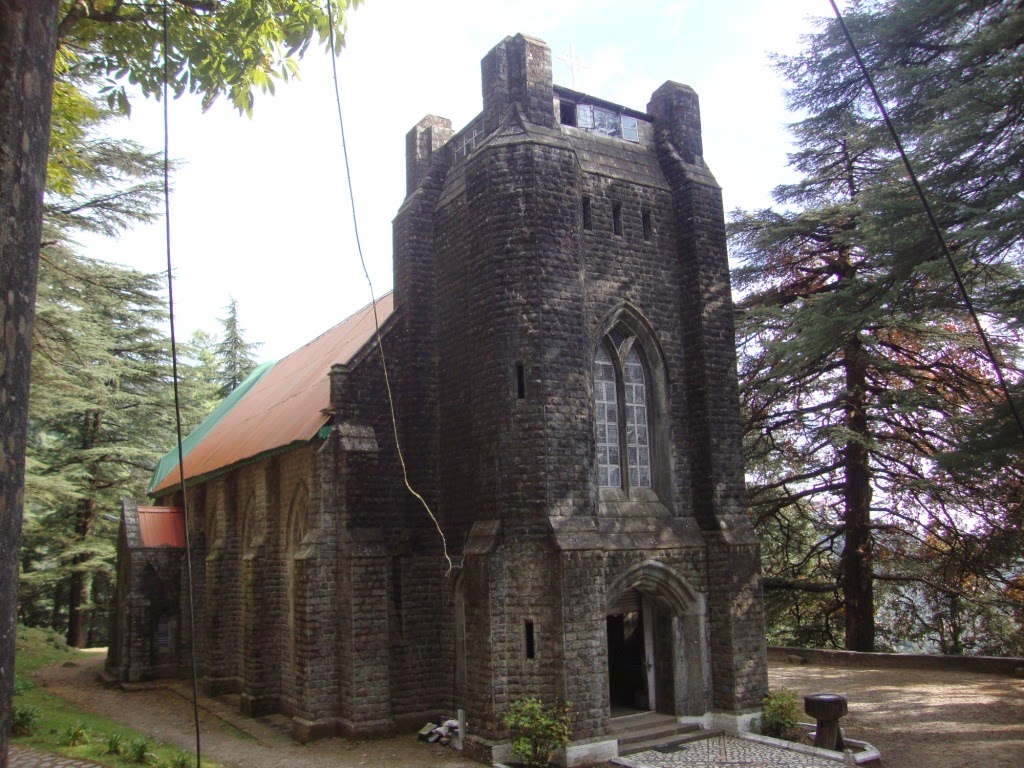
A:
(177, 398)
(931, 218)
(373, 297)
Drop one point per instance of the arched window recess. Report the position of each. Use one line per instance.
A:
(630, 411)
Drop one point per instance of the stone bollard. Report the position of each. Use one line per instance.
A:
(827, 708)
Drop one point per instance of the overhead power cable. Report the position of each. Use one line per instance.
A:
(177, 397)
(373, 296)
(932, 219)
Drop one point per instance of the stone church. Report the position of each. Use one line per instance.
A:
(560, 365)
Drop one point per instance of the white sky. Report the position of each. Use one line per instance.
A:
(260, 209)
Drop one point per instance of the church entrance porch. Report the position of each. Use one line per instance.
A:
(656, 642)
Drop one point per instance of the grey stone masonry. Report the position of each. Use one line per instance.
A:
(560, 391)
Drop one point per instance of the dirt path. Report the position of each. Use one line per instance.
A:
(916, 718)
(923, 718)
(165, 715)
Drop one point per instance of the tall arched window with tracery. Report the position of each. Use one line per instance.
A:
(621, 409)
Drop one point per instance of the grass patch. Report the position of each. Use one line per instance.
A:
(60, 728)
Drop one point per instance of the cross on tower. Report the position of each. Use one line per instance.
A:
(573, 62)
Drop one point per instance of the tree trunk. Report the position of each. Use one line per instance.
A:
(28, 39)
(855, 564)
(77, 598)
(78, 595)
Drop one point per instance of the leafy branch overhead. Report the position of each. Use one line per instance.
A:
(214, 49)
(100, 405)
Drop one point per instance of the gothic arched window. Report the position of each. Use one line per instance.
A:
(621, 413)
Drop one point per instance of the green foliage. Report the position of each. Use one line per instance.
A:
(198, 380)
(101, 415)
(883, 479)
(35, 649)
(24, 719)
(113, 744)
(74, 735)
(100, 396)
(217, 49)
(538, 730)
(180, 760)
(235, 358)
(21, 685)
(780, 713)
(140, 750)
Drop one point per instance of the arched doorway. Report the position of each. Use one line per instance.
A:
(632, 668)
(657, 647)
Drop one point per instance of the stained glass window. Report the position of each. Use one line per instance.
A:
(606, 409)
(638, 450)
(616, 449)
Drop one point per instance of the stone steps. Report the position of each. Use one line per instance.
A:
(648, 730)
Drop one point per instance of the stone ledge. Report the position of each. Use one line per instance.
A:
(990, 664)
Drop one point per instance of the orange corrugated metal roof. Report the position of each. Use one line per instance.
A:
(161, 526)
(287, 404)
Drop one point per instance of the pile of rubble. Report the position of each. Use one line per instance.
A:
(446, 733)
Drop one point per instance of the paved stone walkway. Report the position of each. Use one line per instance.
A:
(23, 757)
(723, 752)
(717, 752)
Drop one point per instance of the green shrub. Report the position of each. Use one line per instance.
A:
(113, 744)
(140, 750)
(538, 730)
(21, 685)
(74, 735)
(180, 760)
(24, 718)
(780, 715)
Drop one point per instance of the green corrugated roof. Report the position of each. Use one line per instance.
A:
(169, 462)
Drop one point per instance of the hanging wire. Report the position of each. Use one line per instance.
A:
(373, 296)
(177, 397)
(932, 219)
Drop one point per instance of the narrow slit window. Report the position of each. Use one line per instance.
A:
(617, 218)
(531, 648)
(588, 214)
(163, 632)
(520, 381)
(645, 216)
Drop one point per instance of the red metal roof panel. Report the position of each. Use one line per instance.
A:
(162, 526)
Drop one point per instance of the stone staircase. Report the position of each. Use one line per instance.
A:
(648, 730)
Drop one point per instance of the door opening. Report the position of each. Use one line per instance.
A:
(629, 684)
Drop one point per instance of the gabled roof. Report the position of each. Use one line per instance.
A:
(278, 405)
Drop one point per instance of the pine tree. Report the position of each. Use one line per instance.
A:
(101, 413)
(100, 409)
(199, 385)
(234, 354)
(859, 365)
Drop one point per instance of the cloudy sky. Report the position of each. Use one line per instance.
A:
(260, 209)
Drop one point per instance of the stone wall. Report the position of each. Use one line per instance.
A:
(324, 591)
(837, 658)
